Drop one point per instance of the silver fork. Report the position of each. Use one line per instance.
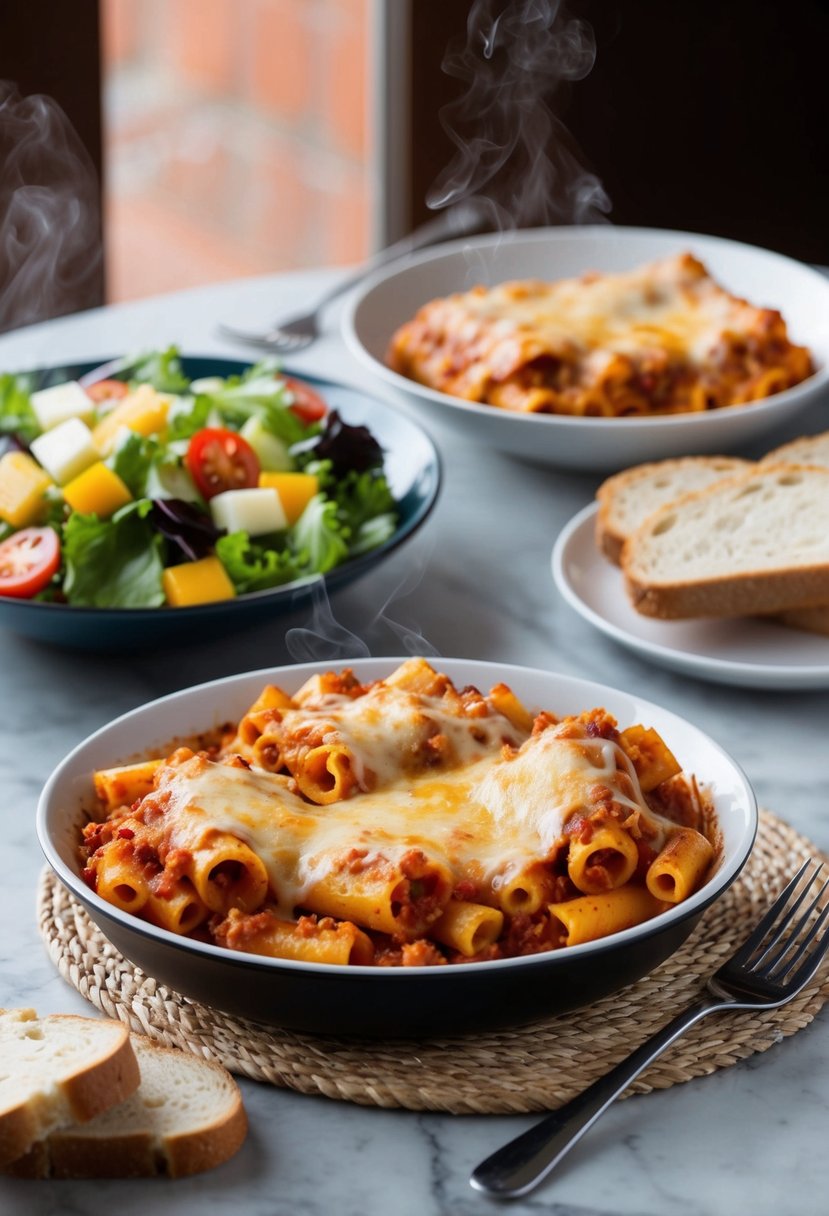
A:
(296, 332)
(771, 967)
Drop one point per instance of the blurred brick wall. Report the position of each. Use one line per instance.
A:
(236, 139)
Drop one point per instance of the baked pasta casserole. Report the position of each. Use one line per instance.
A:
(662, 339)
(404, 822)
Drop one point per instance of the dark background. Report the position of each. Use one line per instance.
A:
(710, 117)
(707, 116)
(53, 47)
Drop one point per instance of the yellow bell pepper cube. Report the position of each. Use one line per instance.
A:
(22, 485)
(199, 582)
(294, 489)
(144, 411)
(97, 490)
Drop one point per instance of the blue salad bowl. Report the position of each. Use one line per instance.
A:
(411, 465)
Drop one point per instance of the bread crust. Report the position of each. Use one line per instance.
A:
(194, 1153)
(738, 593)
(812, 620)
(133, 1155)
(76, 1153)
(87, 1091)
(609, 543)
(731, 595)
(810, 450)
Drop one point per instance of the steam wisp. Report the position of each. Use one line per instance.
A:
(50, 236)
(513, 154)
(325, 639)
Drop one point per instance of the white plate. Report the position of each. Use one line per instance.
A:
(602, 444)
(745, 651)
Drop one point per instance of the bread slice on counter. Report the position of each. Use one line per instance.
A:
(753, 544)
(809, 449)
(185, 1117)
(55, 1070)
(627, 499)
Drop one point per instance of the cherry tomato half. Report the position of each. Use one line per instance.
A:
(28, 559)
(106, 390)
(307, 403)
(219, 460)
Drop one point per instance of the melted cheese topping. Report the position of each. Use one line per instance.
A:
(486, 820)
(385, 730)
(664, 305)
(604, 343)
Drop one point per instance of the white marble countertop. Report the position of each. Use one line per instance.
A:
(474, 583)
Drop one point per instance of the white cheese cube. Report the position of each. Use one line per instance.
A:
(252, 511)
(66, 450)
(54, 405)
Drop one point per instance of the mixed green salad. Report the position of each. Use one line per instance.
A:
(150, 488)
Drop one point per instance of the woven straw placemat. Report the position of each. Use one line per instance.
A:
(530, 1068)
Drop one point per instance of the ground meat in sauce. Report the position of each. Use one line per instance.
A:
(420, 953)
(528, 935)
(176, 865)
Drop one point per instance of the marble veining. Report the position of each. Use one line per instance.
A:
(475, 583)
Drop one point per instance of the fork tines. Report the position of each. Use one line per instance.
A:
(779, 942)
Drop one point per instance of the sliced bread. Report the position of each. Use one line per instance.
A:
(809, 449)
(758, 543)
(186, 1116)
(56, 1070)
(627, 499)
(812, 620)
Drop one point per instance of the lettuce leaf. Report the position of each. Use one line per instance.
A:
(16, 414)
(151, 469)
(366, 508)
(319, 536)
(347, 447)
(188, 415)
(373, 533)
(132, 460)
(252, 567)
(113, 563)
(361, 497)
(162, 369)
(257, 394)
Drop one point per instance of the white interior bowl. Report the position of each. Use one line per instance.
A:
(766, 279)
(390, 1000)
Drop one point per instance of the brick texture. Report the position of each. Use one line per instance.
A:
(236, 139)
(344, 47)
(281, 57)
(201, 44)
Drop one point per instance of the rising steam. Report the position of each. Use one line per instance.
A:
(324, 638)
(50, 245)
(513, 154)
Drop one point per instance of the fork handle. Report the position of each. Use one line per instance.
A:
(522, 1163)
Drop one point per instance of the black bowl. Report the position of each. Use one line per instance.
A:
(381, 1001)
